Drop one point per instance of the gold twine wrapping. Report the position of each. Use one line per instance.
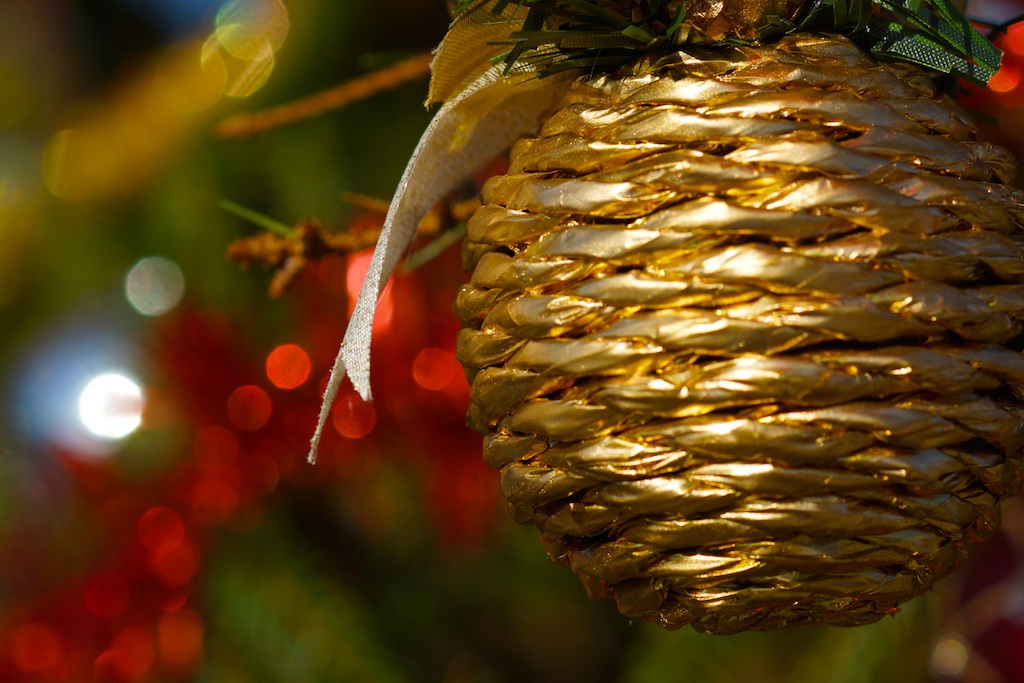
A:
(745, 330)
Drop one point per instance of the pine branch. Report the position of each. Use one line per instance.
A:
(387, 78)
(289, 250)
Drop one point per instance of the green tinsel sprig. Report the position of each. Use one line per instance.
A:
(556, 35)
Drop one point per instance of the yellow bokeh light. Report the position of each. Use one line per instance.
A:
(253, 77)
(113, 148)
(244, 77)
(74, 163)
(108, 149)
(188, 79)
(248, 33)
(246, 27)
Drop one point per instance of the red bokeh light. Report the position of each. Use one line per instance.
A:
(215, 448)
(178, 566)
(332, 276)
(161, 529)
(137, 644)
(179, 638)
(358, 265)
(249, 407)
(1015, 39)
(35, 647)
(214, 500)
(107, 594)
(434, 369)
(288, 366)
(1006, 80)
(113, 666)
(171, 598)
(353, 417)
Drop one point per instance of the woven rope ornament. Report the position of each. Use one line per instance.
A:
(745, 318)
(744, 330)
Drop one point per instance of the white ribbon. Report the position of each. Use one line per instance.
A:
(468, 131)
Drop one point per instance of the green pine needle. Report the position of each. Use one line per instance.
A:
(266, 222)
(440, 244)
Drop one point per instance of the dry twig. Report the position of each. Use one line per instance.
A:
(382, 80)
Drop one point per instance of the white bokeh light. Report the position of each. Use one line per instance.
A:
(949, 657)
(110, 406)
(154, 285)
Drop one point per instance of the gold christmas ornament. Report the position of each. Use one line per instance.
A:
(744, 321)
(739, 326)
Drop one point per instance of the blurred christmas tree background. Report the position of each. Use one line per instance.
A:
(157, 519)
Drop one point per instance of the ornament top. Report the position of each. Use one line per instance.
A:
(548, 36)
(742, 19)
